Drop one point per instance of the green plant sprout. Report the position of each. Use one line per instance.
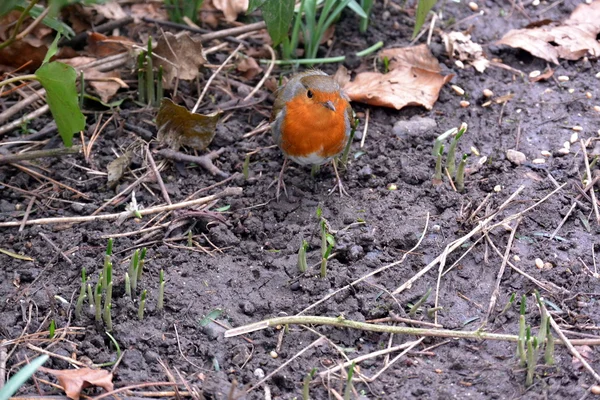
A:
(460, 174)
(367, 6)
(522, 330)
(90, 295)
(82, 295)
(349, 386)
(142, 305)
(439, 141)
(161, 291)
(127, 285)
(437, 178)
(346, 153)
(246, 167)
(306, 384)
(52, 329)
(327, 244)
(450, 159)
(98, 302)
(508, 304)
(415, 307)
(423, 8)
(302, 264)
(386, 64)
(19, 379)
(133, 269)
(140, 268)
(108, 298)
(150, 89)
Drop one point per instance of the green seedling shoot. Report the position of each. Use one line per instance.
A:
(437, 178)
(346, 153)
(133, 270)
(302, 264)
(415, 307)
(460, 174)
(367, 6)
(127, 285)
(150, 90)
(439, 141)
(52, 329)
(142, 305)
(348, 388)
(522, 329)
(161, 291)
(81, 298)
(246, 167)
(98, 302)
(90, 295)
(450, 159)
(330, 243)
(140, 267)
(306, 384)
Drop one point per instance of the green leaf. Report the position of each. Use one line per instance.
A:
(52, 50)
(224, 208)
(6, 6)
(53, 23)
(278, 16)
(61, 94)
(354, 6)
(214, 314)
(423, 9)
(253, 5)
(21, 377)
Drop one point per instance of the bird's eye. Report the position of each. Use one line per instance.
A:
(309, 94)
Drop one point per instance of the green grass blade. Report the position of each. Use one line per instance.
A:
(354, 6)
(423, 9)
(21, 377)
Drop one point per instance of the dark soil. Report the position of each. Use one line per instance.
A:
(250, 270)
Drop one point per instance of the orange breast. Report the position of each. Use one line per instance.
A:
(310, 129)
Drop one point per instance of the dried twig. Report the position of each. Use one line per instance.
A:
(32, 155)
(205, 161)
(589, 177)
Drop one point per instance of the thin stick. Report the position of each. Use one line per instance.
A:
(232, 191)
(377, 271)
(159, 179)
(55, 247)
(214, 75)
(32, 155)
(563, 221)
(233, 31)
(265, 76)
(496, 291)
(364, 136)
(589, 177)
(41, 176)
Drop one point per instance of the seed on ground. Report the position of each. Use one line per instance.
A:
(598, 75)
(548, 265)
(589, 95)
(574, 137)
(392, 186)
(597, 108)
(497, 188)
(545, 153)
(460, 91)
(563, 151)
(567, 145)
(459, 64)
(563, 78)
(487, 104)
(515, 156)
(488, 93)
(535, 3)
(539, 161)
(464, 104)
(473, 6)
(273, 354)
(595, 389)
(475, 151)
(516, 258)
(535, 74)
(577, 128)
(539, 263)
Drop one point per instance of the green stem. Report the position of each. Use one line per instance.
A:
(327, 60)
(15, 32)
(18, 79)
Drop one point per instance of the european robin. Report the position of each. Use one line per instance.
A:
(311, 121)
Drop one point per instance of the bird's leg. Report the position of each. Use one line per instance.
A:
(280, 182)
(338, 183)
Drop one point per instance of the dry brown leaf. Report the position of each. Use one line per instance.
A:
(413, 80)
(180, 56)
(460, 46)
(342, 76)
(586, 352)
(101, 46)
(117, 167)
(111, 10)
(73, 381)
(248, 67)
(231, 8)
(542, 77)
(150, 10)
(105, 84)
(574, 39)
(208, 14)
(178, 127)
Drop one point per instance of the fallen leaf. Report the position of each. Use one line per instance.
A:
(542, 77)
(342, 76)
(111, 10)
(117, 167)
(248, 67)
(460, 46)
(101, 46)
(586, 352)
(414, 79)
(208, 14)
(231, 8)
(73, 381)
(572, 40)
(150, 10)
(180, 56)
(105, 84)
(178, 127)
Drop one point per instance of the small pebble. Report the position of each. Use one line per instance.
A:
(539, 263)
(516, 258)
(563, 78)
(475, 151)
(259, 373)
(571, 90)
(538, 161)
(488, 93)
(18, 206)
(273, 354)
(436, 228)
(497, 188)
(535, 74)
(588, 95)
(460, 91)
(459, 64)
(577, 128)
(473, 6)
(464, 104)
(545, 153)
(515, 156)
(574, 137)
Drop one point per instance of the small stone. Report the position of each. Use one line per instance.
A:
(538, 161)
(415, 126)
(259, 373)
(516, 258)
(473, 6)
(535, 74)
(497, 188)
(460, 91)
(574, 137)
(577, 128)
(459, 64)
(18, 207)
(464, 104)
(515, 156)
(488, 93)
(273, 354)
(545, 153)
(571, 90)
(539, 263)
(475, 151)
(563, 78)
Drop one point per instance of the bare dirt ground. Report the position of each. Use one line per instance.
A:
(249, 270)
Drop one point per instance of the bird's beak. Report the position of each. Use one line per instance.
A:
(329, 104)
